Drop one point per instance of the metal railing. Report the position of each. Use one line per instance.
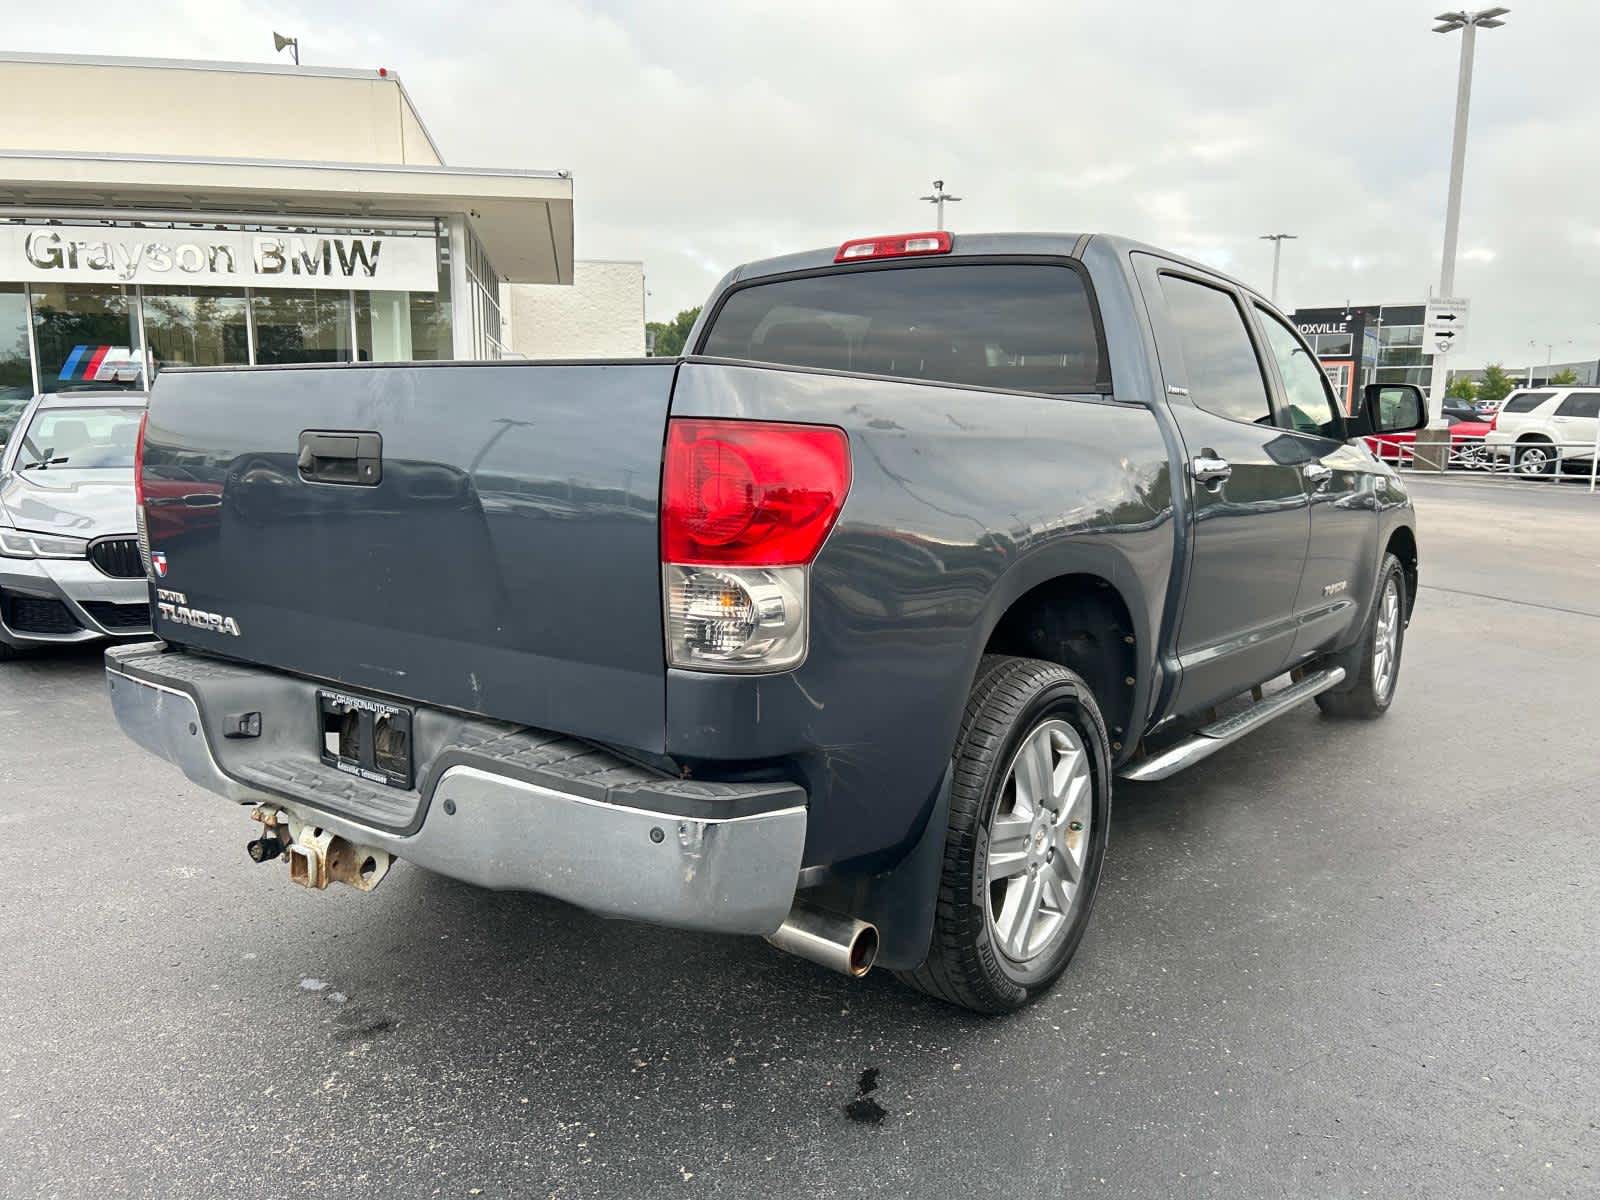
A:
(1531, 460)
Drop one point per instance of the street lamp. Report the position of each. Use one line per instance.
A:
(1468, 23)
(938, 200)
(1549, 357)
(1277, 240)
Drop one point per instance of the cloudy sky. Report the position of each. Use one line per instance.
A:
(703, 134)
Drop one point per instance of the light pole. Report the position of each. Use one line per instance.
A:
(1277, 240)
(1468, 23)
(938, 200)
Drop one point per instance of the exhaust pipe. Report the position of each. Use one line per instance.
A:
(839, 943)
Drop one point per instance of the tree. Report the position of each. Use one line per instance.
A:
(1565, 377)
(1496, 384)
(1462, 388)
(669, 336)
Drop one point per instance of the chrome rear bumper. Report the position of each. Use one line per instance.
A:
(732, 874)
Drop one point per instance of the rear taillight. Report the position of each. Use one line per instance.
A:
(899, 245)
(1494, 421)
(750, 493)
(138, 462)
(745, 507)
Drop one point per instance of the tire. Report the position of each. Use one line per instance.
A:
(1019, 711)
(1536, 458)
(1374, 675)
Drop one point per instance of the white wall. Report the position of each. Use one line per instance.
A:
(601, 315)
(208, 111)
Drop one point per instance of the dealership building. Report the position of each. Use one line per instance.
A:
(1371, 343)
(181, 213)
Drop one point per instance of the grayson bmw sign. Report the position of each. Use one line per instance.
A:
(103, 254)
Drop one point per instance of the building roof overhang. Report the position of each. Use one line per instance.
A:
(523, 218)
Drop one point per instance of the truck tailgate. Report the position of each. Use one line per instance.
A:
(504, 562)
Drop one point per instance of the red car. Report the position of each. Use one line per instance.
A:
(1466, 444)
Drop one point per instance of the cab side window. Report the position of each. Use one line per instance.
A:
(1580, 404)
(1224, 375)
(1309, 406)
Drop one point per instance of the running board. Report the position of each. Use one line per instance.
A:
(1222, 733)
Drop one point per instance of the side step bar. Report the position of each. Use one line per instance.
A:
(1207, 741)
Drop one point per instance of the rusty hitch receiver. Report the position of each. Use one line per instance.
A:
(317, 856)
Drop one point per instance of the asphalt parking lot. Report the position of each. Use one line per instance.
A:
(1336, 960)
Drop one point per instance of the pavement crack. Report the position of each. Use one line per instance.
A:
(1576, 612)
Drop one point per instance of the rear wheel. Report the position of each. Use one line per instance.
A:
(1536, 458)
(1372, 665)
(1030, 805)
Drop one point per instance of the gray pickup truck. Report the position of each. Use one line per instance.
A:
(835, 630)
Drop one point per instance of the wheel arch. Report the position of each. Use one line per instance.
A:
(1081, 620)
(1403, 545)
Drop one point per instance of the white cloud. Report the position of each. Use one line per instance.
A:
(702, 134)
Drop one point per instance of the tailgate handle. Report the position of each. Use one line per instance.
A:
(341, 456)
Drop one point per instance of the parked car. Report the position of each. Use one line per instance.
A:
(69, 560)
(842, 626)
(1461, 409)
(1544, 430)
(1466, 443)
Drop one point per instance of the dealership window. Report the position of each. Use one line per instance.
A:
(1333, 345)
(1401, 335)
(87, 335)
(481, 304)
(1418, 375)
(16, 366)
(406, 326)
(1410, 357)
(301, 326)
(196, 327)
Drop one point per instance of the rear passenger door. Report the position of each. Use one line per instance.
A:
(1575, 421)
(1249, 517)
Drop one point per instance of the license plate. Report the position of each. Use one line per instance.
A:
(370, 739)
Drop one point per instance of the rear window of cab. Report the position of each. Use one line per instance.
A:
(1521, 402)
(1015, 326)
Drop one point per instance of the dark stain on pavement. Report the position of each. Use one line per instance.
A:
(864, 1108)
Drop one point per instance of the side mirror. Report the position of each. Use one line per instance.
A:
(1389, 408)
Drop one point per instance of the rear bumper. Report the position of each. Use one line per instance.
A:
(496, 806)
(79, 603)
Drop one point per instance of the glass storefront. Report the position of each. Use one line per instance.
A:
(302, 326)
(196, 327)
(16, 365)
(87, 336)
(75, 336)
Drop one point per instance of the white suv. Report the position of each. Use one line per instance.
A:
(1539, 430)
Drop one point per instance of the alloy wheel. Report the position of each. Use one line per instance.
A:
(1386, 641)
(1039, 841)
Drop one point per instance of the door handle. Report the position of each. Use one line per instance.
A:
(340, 456)
(1317, 474)
(1209, 468)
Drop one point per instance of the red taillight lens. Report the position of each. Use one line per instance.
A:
(750, 493)
(1494, 421)
(138, 462)
(900, 245)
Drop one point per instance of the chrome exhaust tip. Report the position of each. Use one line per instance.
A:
(839, 943)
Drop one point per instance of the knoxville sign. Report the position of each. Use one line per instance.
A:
(100, 254)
